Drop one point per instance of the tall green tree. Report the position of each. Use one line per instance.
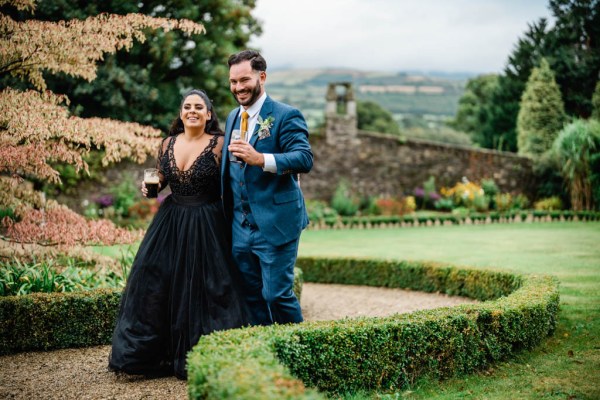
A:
(541, 114)
(144, 84)
(499, 125)
(572, 47)
(573, 50)
(471, 115)
(373, 117)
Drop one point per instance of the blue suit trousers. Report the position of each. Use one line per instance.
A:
(268, 275)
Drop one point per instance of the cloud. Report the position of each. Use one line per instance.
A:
(457, 35)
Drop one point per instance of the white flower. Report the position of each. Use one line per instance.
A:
(264, 127)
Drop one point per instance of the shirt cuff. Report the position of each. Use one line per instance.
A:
(270, 165)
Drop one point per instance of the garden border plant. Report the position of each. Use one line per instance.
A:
(47, 321)
(390, 353)
(279, 362)
(365, 222)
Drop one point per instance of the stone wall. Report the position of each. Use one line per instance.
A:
(377, 164)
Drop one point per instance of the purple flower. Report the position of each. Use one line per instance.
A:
(434, 196)
(106, 200)
(419, 192)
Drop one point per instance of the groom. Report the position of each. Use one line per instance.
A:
(260, 190)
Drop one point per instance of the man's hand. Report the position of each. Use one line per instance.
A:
(243, 151)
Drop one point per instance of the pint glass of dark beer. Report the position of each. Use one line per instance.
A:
(151, 180)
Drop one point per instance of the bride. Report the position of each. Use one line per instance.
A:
(183, 283)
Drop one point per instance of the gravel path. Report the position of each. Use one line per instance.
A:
(82, 374)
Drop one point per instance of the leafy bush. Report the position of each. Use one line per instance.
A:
(7, 213)
(576, 148)
(319, 210)
(503, 201)
(490, 190)
(520, 202)
(343, 202)
(125, 195)
(20, 278)
(480, 202)
(548, 204)
(444, 204)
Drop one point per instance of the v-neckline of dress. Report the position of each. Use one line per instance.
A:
(208, 146)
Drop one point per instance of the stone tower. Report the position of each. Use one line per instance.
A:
(341, 123)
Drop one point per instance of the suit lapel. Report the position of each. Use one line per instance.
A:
(265, 111)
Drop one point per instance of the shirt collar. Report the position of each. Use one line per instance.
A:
(255, 108)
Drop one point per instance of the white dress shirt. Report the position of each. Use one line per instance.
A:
(253, 112)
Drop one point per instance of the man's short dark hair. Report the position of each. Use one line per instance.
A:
(257, 62)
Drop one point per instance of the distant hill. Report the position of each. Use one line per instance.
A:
(413, 93)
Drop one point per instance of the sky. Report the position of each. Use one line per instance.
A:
(473, 36)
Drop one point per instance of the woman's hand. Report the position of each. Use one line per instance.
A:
(144, 190)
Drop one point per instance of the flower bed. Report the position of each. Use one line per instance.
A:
(279, 362)
(382, 221)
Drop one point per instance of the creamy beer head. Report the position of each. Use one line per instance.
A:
(151, 180)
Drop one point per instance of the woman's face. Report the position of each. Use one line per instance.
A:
(194, 113)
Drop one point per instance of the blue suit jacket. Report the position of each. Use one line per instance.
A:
(276, 200)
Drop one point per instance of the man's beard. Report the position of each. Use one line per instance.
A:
(254, 95)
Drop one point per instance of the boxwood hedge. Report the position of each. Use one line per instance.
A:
(46, 321)
(312, 359)
(309, 359)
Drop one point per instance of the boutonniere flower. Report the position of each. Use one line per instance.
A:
(264, 127)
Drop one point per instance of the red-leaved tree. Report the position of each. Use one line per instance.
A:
(37, 130)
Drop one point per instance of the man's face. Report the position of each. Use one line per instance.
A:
(245, 84)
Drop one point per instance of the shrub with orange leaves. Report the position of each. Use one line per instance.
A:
(36, 128)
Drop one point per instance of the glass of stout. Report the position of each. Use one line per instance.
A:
(151, 180)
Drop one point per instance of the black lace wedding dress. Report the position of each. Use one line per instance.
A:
(183, 283)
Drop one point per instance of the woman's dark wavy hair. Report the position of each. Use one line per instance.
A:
(212, 125)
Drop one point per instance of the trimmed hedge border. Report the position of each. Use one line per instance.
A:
(396, 221)
(280, 362)
(47, 321)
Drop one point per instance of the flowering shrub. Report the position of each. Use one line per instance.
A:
(106, 200)
(143, 209)
(463, 193)
(391, 206)
(427, 196)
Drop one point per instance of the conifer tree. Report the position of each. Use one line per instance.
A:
(541, 114)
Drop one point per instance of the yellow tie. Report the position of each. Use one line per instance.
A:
(244, 125)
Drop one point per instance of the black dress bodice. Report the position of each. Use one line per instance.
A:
(201, 179)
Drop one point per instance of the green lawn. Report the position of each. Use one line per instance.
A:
(565, 366)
